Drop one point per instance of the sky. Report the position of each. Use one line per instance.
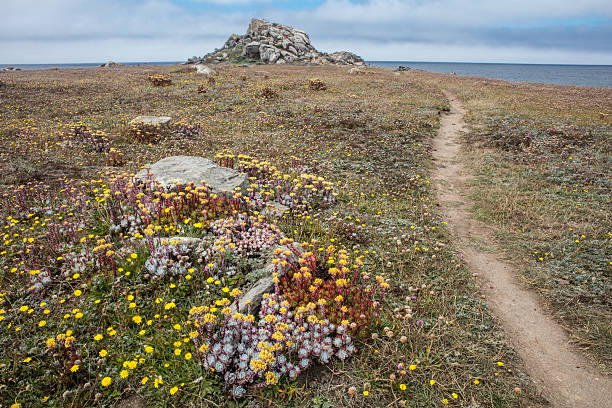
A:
(511, 31)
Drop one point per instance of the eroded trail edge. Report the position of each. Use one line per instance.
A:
(561, 373)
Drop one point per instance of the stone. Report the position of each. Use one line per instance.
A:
(204, 70)
(288, 57)
(194, 169)
(345, 58)
(110, 64)
(251, 50)
(356, 71)
(274, 210)
(190, 242)
(269, 54)
(253, 296)
(267, 42)
(232, 41)
(564, 281)
(152, 120)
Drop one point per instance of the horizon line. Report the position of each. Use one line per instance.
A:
(367, 61)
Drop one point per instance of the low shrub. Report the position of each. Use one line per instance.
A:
(144, 132)
(294, 189)
(147, 208)
(268, 93)
(81, 135)
(159, 80)
(186, 130)
(330, 281)
(256, 354)
(316, 84)
(114, 158)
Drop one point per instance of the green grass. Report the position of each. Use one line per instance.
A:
(542, 175)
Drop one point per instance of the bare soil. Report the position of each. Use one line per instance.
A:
(561, 372)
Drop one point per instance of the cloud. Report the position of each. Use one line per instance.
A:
(97, 30)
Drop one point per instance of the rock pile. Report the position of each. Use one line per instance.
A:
(272, 43)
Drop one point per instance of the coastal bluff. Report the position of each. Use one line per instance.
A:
(273, 43)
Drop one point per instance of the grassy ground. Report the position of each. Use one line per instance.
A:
(434, 343)
(542, 156)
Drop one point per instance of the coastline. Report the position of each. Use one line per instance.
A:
(596, 76)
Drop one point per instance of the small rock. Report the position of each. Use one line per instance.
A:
(152, 120)
(253, 296)
(274, 210)
(188, 241)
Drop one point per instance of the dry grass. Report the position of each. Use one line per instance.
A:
(542, 156)
(369, 134)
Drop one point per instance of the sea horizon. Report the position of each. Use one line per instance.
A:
(592, 75)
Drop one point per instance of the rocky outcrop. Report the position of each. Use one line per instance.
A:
(272, 43)
(111, 64)
(193, 169)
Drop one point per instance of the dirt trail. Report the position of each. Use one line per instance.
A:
(561, 372)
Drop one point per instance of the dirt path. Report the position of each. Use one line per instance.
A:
(562, 373)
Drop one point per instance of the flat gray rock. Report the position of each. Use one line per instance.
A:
(152, 120)
(194, 169)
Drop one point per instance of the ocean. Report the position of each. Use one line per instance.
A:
(581, 75)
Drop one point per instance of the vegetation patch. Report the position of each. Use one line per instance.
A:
(116, 291)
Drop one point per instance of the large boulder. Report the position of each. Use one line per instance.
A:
(269, 54)
(251, 50)
(204, 70)
(194, 169)
(273, 43)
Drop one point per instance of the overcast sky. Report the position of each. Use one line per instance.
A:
(532, 31)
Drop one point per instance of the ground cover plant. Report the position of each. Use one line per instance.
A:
(544, 160)
(116, 292)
